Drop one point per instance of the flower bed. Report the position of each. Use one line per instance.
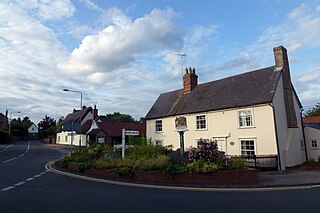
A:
(244, 176)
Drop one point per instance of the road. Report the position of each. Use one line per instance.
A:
(25, 186)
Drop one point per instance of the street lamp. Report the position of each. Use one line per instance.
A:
(76, 91)
(11, 120)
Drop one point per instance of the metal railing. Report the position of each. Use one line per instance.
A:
(261, 162)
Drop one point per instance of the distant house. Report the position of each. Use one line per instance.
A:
(75, 125)
(257, 113)
(108, 131)
(31, 128)
(4, 121)
(312, 135)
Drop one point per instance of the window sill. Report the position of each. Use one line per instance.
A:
(158, 132)
(315, 148)
(246, 127)
(201, 129)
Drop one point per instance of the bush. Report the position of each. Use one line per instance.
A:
(311, 162)
(207, 150)
(64, 161)
(237, 164)
(147, 151)
(85, 165)
(124, 171)
(202, 166)
(172, 169)
(5, 137)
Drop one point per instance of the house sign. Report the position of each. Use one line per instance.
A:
(181, 124)
(129, 132)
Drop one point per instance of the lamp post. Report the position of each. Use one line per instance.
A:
(11, 120)
(76, 91)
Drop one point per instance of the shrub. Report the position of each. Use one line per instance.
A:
(236, 163)
(85, 165)
(201, 166)
(147, 151)
(64, 161)
(124, 171)
(5, 137)
(172, 169)
(207, 150)
(311, 162)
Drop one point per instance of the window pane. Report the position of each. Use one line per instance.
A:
(201, 122)
(247, 147)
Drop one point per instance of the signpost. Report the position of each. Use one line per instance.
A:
(124, 133)
(181, 127)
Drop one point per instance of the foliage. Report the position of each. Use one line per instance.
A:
(26, 119)
(47, 127)
(173, 169)
(16, 127)
(207, 150)
(5, 137)
(120, 117)
(85, 165)
(64, 161)
(202, 166)
(124, 171)
(236, 163)
(311, 162)
(138, 141)
(148, 151)
(315, 111)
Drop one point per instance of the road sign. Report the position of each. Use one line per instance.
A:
(129, 132)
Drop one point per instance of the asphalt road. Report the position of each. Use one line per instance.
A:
(25, 186)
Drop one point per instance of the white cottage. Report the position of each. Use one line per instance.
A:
(255, 113)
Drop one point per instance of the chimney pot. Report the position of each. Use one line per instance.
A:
(190, 80)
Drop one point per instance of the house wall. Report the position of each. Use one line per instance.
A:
(219, 125)
(33, 129)
(290, 139)
(62, 136)
(312, 134)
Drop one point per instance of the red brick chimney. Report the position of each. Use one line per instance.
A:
(190, 80)
(282, 63)
(95, 113)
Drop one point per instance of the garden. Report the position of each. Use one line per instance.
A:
(144, 160)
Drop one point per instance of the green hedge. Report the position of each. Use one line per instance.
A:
(4, 136)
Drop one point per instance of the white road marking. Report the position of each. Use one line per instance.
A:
(23, 182)
(7, 147)
(20, 183)
(6, 161)
(316, 186)
(8, 188)
(21, 155)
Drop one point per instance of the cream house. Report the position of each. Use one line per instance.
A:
(312, 136)
(254, 113)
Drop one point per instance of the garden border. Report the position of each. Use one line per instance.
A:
(227, 177)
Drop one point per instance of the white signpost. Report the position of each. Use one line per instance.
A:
(124, 133)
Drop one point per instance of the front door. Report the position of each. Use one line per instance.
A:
(221, 142)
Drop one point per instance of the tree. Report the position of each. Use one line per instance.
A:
(26, 119)
(315, 111)
(47, 127)
(120, 117)
(17, 128)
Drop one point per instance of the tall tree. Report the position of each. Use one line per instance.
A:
(47, 127)
(120, 117)
(26, 119)
(315, 111)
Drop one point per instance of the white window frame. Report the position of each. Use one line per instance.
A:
(158, 128)
(242, 119)
(66, 138)
(254, 146)
(314, 144)
(158, 142)
(201, 120)
(58, 138)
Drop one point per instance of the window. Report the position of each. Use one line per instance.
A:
(247, 147)
(159, 126)
(66, 138)
(158, 142)
(245, 118)
(314, 144)
(302, 144)
(201, 122)
(59, 138)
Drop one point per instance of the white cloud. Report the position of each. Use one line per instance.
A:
(90, 5)
(118, 45)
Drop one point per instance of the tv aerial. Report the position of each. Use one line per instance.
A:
(182, 57)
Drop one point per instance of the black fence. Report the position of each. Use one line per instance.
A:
(261, 162)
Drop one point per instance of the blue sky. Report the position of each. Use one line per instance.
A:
(121, 54)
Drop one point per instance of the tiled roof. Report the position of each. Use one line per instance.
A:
(2, 118)
(77, 115)
(114, 128)
(313, 119)
(247, 89)
(86, 126)
(313, 125)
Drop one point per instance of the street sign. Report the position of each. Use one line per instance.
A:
(129, 132)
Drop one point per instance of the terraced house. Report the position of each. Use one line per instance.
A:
(257, 113)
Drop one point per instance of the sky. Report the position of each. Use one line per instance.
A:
(122, 54)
